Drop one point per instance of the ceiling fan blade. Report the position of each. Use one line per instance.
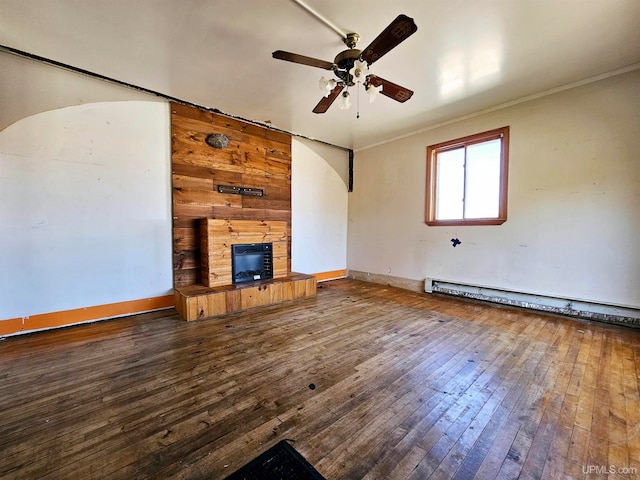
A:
(397, 32)
(295, 58)
(390, 89)
(324, 104)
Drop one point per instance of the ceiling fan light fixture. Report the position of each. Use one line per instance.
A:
(373, 92)
(359, 71)
(345, 101)
(326, 86)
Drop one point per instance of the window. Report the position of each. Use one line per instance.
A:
(467, 180)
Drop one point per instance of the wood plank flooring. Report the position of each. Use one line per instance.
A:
(407, 386)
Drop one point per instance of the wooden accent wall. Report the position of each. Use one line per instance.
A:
(218, 236)
(255, 157)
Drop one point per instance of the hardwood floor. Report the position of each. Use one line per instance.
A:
(407, 386)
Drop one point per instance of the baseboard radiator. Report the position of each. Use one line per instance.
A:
(616, 314)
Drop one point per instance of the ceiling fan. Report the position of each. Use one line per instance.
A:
(351, 66)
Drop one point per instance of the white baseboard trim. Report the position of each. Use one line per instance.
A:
(405, 283)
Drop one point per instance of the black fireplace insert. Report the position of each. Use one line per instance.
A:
(251, 261)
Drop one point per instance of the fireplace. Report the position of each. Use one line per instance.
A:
(218, 236)
(251, 261)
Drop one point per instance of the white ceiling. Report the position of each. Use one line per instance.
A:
(467, 55)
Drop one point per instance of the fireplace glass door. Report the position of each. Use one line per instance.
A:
(251, 262)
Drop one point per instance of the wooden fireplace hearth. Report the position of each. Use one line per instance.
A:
(196, 302)
(218, 295)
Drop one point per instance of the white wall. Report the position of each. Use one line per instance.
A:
(28, 87)
(319, 184)
(573, 227)
(85, 207)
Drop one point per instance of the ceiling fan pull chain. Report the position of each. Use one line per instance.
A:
(357, 103)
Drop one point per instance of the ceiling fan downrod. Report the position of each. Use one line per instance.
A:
(323, 19)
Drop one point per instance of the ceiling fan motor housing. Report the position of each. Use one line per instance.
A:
(344, 62)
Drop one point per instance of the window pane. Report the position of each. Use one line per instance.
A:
(450, 186)
(483, 180)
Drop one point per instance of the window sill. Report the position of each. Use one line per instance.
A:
(470, 222)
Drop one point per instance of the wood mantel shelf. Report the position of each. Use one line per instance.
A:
(194, 302)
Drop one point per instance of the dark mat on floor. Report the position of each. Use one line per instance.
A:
(280, 462)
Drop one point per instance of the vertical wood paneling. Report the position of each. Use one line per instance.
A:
(255, 157)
